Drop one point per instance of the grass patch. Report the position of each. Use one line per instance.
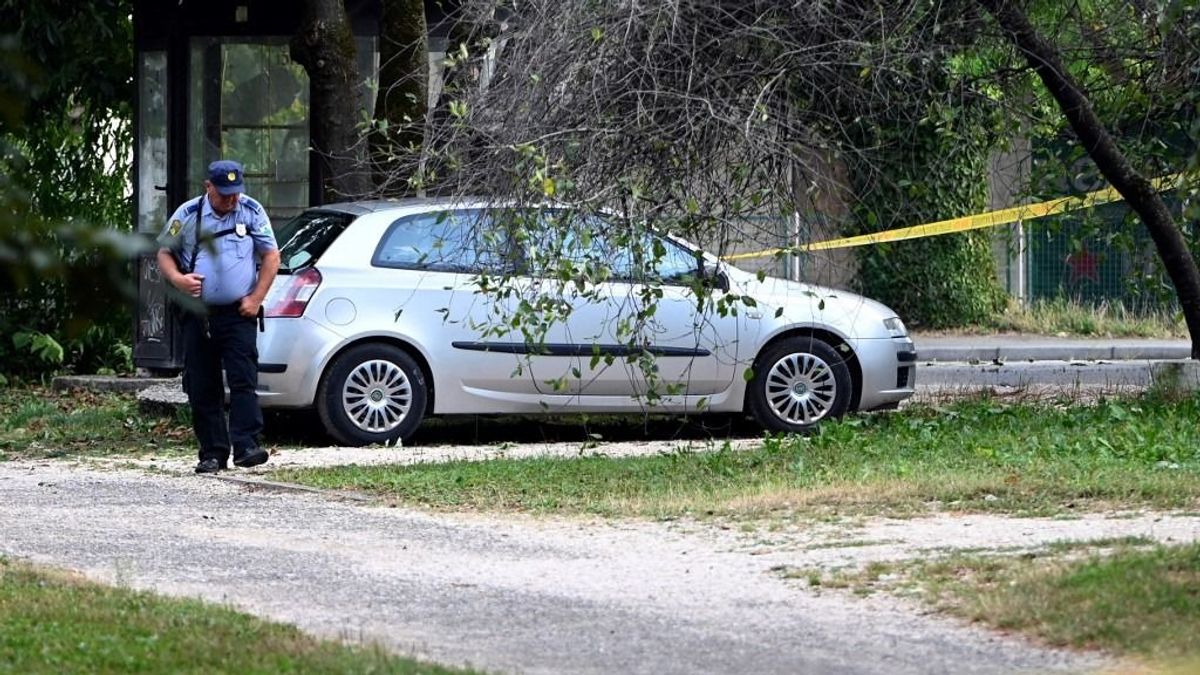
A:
(52, 622)
(1070, 317)
(852, 543)
(1130, 597)
(37, 422)
(1029, 458)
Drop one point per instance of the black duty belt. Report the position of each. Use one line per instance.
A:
(233, 309)
(230, 308)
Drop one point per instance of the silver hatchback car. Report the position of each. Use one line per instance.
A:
(381, 316)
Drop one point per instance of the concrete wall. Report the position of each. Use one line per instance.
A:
(1008, 179)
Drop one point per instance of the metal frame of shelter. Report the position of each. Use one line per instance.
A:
(213, 80)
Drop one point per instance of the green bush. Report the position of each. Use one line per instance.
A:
(918, 173)
(939, 282)
(45, 329)
(66, 139)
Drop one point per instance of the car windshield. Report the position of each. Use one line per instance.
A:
(304, 238)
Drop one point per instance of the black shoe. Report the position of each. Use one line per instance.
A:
(250, 457)
(210, 465)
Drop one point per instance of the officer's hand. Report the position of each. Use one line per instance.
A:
(191, 284)
(249, 307)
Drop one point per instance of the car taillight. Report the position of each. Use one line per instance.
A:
(293, 294)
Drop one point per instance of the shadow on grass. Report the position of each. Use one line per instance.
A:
(290, 427)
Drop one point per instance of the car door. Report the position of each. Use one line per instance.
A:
(440, 269)
(630, 321)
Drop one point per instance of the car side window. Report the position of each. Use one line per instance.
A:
(562, 243)
(670, 262)
(443, 241)
(604, 248)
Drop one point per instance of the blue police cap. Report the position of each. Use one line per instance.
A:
(226, 176)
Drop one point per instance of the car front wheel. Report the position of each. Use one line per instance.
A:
(797, 383)
(373, 393)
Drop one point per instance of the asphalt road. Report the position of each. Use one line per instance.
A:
(509, 595)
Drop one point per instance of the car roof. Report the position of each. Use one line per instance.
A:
(365, 206)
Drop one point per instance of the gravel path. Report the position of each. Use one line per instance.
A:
(518, 594)
(334, 455)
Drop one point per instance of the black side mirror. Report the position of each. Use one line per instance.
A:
(721, 280)
(713, 276)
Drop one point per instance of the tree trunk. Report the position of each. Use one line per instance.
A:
(1112, 163)
(324, 46)
(403, 92)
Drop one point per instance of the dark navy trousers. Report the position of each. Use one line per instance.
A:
(222, 340)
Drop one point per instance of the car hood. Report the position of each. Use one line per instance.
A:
(805, 304)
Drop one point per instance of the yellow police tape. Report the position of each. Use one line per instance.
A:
(975, 222)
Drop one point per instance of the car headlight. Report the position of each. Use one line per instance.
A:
(895, 326)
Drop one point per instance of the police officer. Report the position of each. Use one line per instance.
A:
(210, 251)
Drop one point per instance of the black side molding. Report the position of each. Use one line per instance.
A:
(272, 367)
(566, 349)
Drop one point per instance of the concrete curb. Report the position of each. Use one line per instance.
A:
(111, 383)
(1054, 352)
(1182, 375)
(162, 399)
(279, 486)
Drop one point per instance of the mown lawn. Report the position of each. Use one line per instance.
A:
(54, 622)
(971, 456)
(1128, 597)
(36, 421)
(39, 422)
(1133, 601)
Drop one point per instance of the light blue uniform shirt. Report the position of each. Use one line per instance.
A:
(228, 263)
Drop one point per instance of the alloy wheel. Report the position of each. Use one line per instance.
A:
(800, 388)
(377, 396)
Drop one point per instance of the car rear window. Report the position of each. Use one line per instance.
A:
(304, 238)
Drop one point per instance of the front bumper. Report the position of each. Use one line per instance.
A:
(889, 369)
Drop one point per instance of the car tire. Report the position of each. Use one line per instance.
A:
(798, 382)
(372, 393)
